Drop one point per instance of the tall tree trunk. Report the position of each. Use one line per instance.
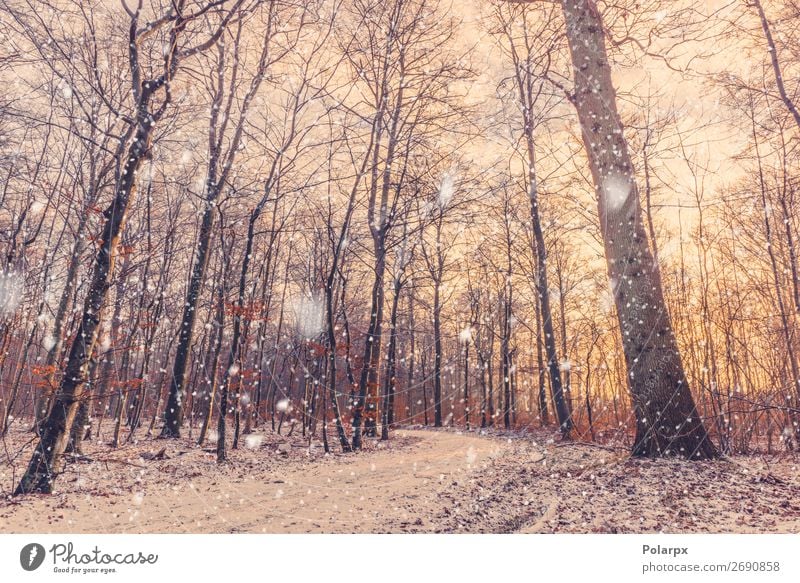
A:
(47, 460)
(220, 163)
(527, 95)
(366, 404)
(667, 420)
(233, 366)
(54, 353)
(543, 293)
(173, 414)
(210, 370)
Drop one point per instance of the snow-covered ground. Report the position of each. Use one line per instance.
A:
(420, 481)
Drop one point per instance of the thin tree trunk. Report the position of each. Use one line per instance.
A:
(466, 385)
(211, 369)
(233, 354)
(543, 291)
(390, 382)
(776, 66)
(786, 325)
(411, 358)
(437, 355)
(541, 373)
(366, 404)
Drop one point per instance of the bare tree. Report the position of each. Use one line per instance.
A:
(667, 419)
(172, 26)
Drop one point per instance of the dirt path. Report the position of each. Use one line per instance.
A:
(419, 481)
(379, 491)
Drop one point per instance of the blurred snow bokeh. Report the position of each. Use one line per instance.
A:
(11, 288)
(308, 313)
(616, 190)
(446, 190)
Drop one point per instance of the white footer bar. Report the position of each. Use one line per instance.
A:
(389, 558)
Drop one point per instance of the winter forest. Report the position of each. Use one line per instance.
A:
(399, 265)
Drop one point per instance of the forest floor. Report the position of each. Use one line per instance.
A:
(419, 481)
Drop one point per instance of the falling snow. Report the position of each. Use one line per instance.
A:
(616, 190)
(11, 292)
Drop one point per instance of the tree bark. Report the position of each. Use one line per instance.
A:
(543, 291)
(365, 408)
(47, 460)
(390, 382)
(437, 354)
(667, 420)
(775, 61)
